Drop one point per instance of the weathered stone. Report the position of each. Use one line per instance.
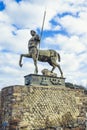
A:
(41, 106)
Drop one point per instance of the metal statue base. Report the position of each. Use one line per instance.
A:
(43, 80)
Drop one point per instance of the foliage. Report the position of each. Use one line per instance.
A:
(75, 86)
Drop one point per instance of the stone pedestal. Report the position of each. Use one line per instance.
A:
(33, 79)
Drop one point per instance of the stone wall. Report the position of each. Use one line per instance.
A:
(36, 107)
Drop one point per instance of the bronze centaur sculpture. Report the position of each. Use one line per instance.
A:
(49, 56)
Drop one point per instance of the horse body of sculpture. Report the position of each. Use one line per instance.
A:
(49, 56)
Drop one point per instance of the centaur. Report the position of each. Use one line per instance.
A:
(49, 56)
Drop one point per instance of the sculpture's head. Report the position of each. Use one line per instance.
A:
(32, 32)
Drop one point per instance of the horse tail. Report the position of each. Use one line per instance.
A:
(59, 59)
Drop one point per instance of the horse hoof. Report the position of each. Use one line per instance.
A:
(61, 76)
(20, 65)
(35, 72)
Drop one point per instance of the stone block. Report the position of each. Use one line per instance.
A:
(44, 80)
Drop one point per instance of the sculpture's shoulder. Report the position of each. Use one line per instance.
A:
(37, 37)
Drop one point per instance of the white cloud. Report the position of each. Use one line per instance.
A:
(11, 42)
(10, 70)
(24, 14)
(74, 25)
(4, 17)
(68, 44)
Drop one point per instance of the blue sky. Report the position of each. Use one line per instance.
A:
(2, 6)
(64, 31)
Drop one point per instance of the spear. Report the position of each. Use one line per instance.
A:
(42, 27)
(41, 31)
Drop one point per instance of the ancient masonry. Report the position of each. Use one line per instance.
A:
(43, 103)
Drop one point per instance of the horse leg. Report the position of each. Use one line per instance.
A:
(20, 60)
(21, 56)
(36, 68)
(55, 64)
(60, 70)
(35, 63)
(53, 68)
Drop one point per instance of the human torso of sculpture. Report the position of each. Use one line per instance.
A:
(33, 43)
